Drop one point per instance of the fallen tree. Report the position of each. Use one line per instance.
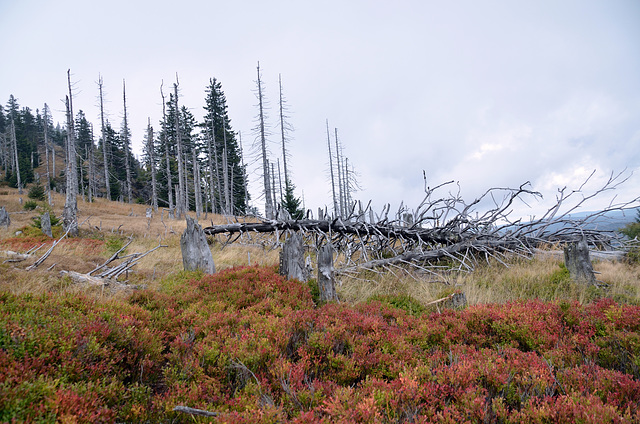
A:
(442, 228)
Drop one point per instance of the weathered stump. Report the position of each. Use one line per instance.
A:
(292, 259)
(456, 301)
(196, 254)
(45, 224)
(4, 217)
(576, 259)
(326, 280)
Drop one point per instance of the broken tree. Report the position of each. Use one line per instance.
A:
(196, 254)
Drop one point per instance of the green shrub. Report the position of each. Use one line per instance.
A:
(30, 205)
(401, 301)
(37, 192)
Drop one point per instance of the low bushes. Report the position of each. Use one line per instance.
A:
(251, 346)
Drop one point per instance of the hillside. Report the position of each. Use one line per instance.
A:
(248, 346)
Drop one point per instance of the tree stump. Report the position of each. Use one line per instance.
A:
(45, 224)
(326, 281)
(576, 259)
(292, 259)
(196, 254)
(4, 217)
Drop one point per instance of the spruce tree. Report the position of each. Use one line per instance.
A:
(225, 159)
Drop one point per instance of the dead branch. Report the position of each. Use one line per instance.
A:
(442, 228)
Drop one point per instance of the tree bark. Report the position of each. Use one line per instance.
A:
(576, 259)
(127, 145)
(166, 154)
(4, 217)
(70, 214)
(45, 224)
(152, 165)
(196, 254)
(326, 281)
(181, 202)
(269, 203)
(292, 259)
(103, 130)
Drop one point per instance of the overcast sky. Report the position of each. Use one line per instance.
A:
(487, 93)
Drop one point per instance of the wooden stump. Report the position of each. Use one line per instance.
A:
(326, 281)
(292, 259)
(196, 254)
(4, 217)
(45, 224)
(576, 259)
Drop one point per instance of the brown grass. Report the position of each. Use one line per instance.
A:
(105, 224)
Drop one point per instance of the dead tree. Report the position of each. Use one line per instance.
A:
(196, 254)
(326, 279)
(45, 120)
(292, 259)
(269, 201)
(442, 228)
(126, 135)
(181, 197)
(333, 185)
(152, 165)
(577, 261)
(4, 217)
(103, 131)
(166, 155)
(70, 214)
(45, 224)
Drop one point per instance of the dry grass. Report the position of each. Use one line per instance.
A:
(109, 224)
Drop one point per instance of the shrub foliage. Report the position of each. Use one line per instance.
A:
(251, 346)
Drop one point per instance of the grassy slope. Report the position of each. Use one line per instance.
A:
(255, 348)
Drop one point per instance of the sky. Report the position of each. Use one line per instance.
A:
(482, 93)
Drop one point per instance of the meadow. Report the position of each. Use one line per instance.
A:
(248, 346)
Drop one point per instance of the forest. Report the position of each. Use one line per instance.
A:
(185, 165)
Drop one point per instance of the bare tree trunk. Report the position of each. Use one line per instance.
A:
(225, 169)
(196, 254)
(15, 151)
(245, 188)
(166, 155)
(340, 177)
(284, 137)
(292, 259)
(333, 185)
(45, 113)
(326, 281)
(576, 259)
(91, 170)
(127, 145)
(269, 204)
(196, 184)
(181, 202)
(70, 214)
(210, 139)
(104, 144)
(152, 165)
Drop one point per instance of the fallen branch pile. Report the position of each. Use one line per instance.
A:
(441, 228)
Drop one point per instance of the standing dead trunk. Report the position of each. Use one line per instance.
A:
(45, 224)
(45, 119)
(576, 259)
(181, 198)
(333, 184)
(196, 254)
(292, 259)
(103, 131)
(326, 280)
(269, 201)
(127, 145)
(152, 166)
(166, 155)
(70, 214)
(15, 151)
(196, 184)
(4, 217)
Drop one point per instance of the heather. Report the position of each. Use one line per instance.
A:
(256, 348)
